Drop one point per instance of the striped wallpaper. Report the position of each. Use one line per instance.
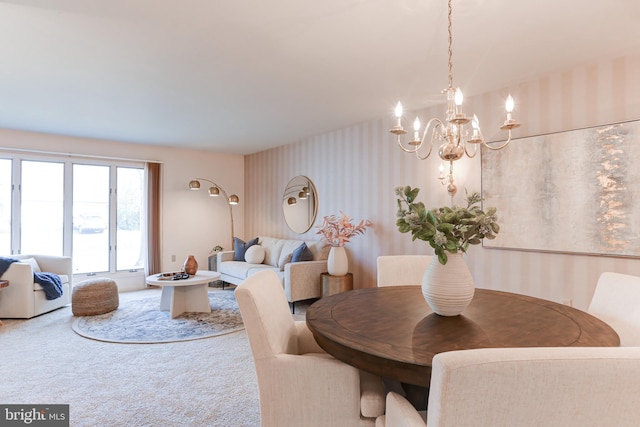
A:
(356, 170)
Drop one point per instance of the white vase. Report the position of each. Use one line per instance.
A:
(338, 264)
(449, 288)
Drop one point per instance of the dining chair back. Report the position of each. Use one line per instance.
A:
(616, 301)
(299, 384)
(398, 270)
(505, 387)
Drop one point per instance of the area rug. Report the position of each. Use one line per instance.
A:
(141, 322)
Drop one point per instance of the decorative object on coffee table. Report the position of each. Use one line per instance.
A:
(190, 265)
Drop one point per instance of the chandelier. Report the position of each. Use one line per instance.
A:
(452, 135)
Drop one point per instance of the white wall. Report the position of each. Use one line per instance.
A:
(356, 170)
(192, 222)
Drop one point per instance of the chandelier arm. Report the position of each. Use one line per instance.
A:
(500, 147)
(428, 153)
(475, 151)
(408, 150)
(432, 125)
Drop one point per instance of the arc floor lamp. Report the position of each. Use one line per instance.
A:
(214, 191)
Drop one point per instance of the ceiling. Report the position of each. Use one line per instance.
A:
(241, 76)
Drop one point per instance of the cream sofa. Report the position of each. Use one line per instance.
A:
(301, 280)
(24, 298)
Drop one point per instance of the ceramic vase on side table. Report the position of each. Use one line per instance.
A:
(449, 288)
(337, 263)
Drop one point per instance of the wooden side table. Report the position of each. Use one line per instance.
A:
(335, 284)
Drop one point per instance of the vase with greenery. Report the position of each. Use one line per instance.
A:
(447, 285)
(336, 231)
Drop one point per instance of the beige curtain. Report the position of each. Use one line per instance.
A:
(153, 229)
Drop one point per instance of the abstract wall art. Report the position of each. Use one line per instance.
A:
(573, 192)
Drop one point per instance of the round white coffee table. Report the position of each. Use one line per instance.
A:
(185, 295)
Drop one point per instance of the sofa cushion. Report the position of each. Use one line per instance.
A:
(254, 255)
(287, 252)
(319, 250)
(262, 267)
(241, 247)
(302, 253)
(63, 279)
(240, 269)
(272, 249)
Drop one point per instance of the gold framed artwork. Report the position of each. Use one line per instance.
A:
(572, 192)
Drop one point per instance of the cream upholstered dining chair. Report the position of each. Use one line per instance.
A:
(496, 387)
(616, 301)
(397, 270)
(299, 384)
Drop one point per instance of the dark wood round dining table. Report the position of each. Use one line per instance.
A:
(392, 332)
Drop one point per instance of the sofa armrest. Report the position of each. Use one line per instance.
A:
(302, 280)
(19, 274)
(222, 257)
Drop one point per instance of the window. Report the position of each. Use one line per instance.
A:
(5, 206)
(91, 189)
(91, 211)
(41, 208)
(129, 219)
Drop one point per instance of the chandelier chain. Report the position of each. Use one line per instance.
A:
(450, 48)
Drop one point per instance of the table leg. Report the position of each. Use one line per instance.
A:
(192, 299)
(417, 395)
(166, 297)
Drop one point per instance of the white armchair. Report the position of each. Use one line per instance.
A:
(397, 270)
(616, 301)
(300, 384)
(24, 298)
(505, 387)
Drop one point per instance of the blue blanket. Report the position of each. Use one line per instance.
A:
(50, 282)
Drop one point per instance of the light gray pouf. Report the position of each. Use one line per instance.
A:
(94, 296)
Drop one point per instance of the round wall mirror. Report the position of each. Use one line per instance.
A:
(300, 204)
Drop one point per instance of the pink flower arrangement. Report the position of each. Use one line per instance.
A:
(336, 231)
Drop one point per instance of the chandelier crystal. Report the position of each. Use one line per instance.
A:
(452, 135)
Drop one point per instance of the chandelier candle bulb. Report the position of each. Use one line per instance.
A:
(458, 98)
(399, 114)
(475, 125)
(509, 104)
(416, 128)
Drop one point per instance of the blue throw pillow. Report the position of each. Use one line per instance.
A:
(302, 253)
(241, 247)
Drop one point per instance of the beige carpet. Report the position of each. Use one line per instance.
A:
(206, 382)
